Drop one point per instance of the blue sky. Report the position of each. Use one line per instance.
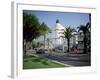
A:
(66, 18)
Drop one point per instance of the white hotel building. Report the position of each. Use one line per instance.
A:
(57, 37)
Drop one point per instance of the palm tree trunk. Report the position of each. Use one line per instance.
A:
(85, 44)
(24, 47)
(44, 40)
(68, 42)
(48, 46)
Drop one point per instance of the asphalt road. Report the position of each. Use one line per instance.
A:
(74, 60)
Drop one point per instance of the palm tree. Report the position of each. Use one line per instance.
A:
(30, 29)
(89, 41)
(45, 30)
(68, 34)
(85, 30)
(48, 43)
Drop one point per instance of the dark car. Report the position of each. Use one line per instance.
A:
(40, 51)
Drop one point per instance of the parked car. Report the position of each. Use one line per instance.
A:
(40, 51)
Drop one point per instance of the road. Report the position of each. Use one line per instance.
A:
(74, 59)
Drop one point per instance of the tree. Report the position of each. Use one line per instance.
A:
(89, 41)
(48, 43)
(45, 30)
(86, 32)
(68, 34)
(31, 28)
(34, 43)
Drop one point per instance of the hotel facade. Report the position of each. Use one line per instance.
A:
(58, 40)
